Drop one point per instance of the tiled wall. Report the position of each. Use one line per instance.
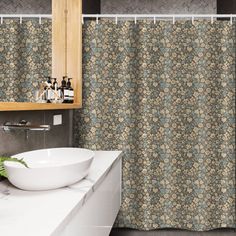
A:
(25, 7)
(15, 141)
(159, 6)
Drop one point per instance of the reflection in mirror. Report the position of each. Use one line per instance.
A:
(25, 57)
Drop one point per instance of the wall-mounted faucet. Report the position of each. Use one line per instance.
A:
(24, 125)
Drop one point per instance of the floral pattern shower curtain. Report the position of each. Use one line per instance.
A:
(25, 58)
(164, 94)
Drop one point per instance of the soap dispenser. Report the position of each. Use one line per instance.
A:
(55, 84)
(71, 91)
(54, 94)
(48, 89)
(64, 90)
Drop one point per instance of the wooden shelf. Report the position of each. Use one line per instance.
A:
(27, 106)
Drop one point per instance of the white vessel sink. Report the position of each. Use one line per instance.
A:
(49, 168)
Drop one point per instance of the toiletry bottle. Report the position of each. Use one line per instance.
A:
(43, 93)
(71, 91)
(49, 89)
(54, 89)
(55, 84)
(65, 90)
(63, 84)
(59, 92)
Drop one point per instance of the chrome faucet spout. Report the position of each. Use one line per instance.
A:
(25, 125)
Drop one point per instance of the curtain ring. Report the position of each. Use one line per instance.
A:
(231, 19)
(173, 20)
(212, 20)
(97, 20)
(82, 20)
(1, 20)
(116, 20)
(20, 19)
(135, 20)
(154, 19)
(40, 20)
(193, 20)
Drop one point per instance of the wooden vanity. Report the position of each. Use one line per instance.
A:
(87, 208)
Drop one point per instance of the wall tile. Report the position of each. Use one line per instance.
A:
(15, 141)
(25, 7)
(59, 135)
(159, 6)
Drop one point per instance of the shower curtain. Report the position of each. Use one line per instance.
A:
(164, 93)
(25, 58)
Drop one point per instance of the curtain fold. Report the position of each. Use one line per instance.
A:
(164, 94)
(25, 58)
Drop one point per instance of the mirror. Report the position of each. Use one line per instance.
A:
(25, 57)
(34, 47)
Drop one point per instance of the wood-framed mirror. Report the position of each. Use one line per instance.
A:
(66, 55)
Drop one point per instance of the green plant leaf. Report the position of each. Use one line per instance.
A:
(2, 169)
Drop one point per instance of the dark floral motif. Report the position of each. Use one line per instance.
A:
(25, 58)
(164, 94)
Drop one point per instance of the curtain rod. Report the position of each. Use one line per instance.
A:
(159, 15)
(125, 15)
(25, 16)
(155, 16)
(21, 16)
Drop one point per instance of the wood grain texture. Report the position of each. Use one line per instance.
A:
(27, 106)
(74, 46)
(59, 38)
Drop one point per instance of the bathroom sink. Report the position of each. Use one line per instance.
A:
(49, 168)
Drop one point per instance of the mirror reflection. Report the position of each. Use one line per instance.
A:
(25, 57)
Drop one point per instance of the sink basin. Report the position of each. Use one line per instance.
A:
(49, 168)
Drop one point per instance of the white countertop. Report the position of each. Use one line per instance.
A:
(25, 213)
